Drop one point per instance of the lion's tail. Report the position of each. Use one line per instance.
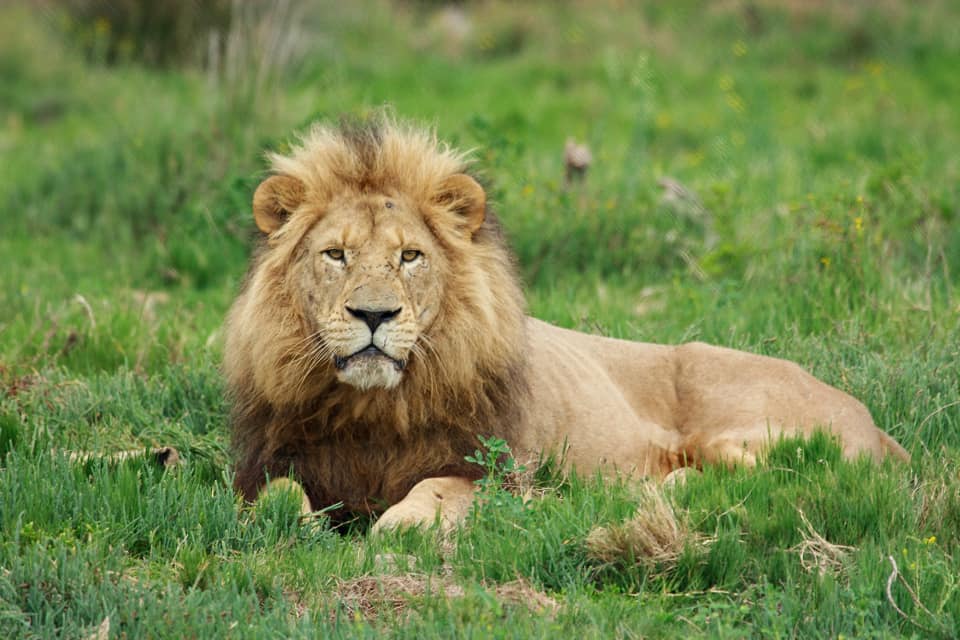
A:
(892, 447)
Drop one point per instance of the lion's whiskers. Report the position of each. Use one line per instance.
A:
(309, 360)
(419, 352)
(429, 346)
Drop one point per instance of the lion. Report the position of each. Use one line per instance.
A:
(381, 330)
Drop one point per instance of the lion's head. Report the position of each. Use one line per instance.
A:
(372, 269)
(382, 298)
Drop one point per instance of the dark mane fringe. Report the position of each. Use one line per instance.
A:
(367, 464)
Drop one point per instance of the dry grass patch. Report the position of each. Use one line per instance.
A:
(654, 538)
(521, 592)
(371, 596)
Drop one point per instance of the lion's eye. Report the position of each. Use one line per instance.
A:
(334, 254)
(409, 255)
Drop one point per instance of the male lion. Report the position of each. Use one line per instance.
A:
(381, 329)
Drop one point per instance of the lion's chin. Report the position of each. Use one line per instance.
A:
(370, 372)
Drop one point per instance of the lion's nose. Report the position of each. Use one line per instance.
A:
(373, 317)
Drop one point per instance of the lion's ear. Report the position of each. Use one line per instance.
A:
(274, 200)
(464, 196)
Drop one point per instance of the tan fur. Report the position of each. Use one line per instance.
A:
(381, 329)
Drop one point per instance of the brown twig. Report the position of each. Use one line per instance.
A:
(894, 576)
(825, 554)
(890, 580)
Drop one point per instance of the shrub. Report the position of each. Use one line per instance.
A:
(155, 33)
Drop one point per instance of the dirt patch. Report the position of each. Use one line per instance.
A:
(372, 596)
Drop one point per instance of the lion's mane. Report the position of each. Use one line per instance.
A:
(368, 448)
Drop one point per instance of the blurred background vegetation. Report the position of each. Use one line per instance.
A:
(777, 175)
(739, 148)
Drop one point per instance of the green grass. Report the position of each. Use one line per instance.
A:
(821, 148)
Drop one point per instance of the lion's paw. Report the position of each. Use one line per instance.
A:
(404, 516)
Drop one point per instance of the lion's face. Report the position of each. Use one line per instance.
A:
(369, 276)
(369, 272)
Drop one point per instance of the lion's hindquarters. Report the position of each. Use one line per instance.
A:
(735, 403)
(893, 448)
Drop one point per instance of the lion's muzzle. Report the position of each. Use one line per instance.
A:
(371, 351)
(369, 368)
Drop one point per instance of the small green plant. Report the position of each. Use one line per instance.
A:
(497, 461)
(494, 500)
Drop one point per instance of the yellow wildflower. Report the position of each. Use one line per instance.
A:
(736, 103)
(101, 26)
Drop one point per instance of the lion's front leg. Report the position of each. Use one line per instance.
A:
(450, 497)
(280, 485)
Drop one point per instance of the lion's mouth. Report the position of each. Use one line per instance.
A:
(370, 351)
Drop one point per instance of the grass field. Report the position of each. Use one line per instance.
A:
(814, 147)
